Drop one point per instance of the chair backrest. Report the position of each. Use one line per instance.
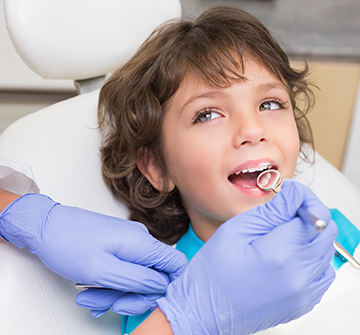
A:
(80, 39)
(61, 144)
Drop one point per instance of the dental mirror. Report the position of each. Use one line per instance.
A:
(269, 180)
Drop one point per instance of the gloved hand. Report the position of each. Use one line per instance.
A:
(93, 249)
(261, 268)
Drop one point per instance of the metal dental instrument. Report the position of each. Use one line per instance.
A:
(79, 286)
(343, 253)
(269, 180)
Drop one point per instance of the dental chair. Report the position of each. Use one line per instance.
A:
(84, 40)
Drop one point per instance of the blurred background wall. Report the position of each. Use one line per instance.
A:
(324, 32)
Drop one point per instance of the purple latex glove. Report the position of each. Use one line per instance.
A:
(93, 249)
(261, 268)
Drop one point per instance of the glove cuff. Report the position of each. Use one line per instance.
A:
(22, 222)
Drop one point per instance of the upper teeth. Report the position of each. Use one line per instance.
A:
(254, 169)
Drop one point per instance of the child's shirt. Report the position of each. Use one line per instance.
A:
(189, 244)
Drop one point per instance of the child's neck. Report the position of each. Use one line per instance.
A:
(203, 231)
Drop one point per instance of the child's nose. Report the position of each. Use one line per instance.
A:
(249, 130)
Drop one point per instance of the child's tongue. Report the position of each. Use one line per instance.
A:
(245, 180)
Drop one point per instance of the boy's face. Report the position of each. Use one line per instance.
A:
(210, 134)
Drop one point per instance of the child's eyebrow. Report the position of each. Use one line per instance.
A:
(205, 95)
(271, 85)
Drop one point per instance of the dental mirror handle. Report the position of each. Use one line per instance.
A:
(307, 216)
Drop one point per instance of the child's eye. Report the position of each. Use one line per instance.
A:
(270, 105)
(206, 115)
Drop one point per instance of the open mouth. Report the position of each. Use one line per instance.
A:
(247, 178)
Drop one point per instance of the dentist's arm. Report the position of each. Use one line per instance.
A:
(155, 324)
(6, 198)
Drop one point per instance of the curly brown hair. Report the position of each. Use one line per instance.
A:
(214, 46)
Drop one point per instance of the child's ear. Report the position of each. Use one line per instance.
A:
(152, 171)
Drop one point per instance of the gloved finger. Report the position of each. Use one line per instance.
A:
(127, 277)
(285, 246)
(293, 244)
(98, 299)
(97, 313)
(320, 251)
(134, 304)
(165, 258)
(321, 285)
(313, 294)
(325, 240)
(297, 237)
(318, 268)
(285, 204)
(155, 254)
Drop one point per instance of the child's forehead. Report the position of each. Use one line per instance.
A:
(222, 79)
(198, 81)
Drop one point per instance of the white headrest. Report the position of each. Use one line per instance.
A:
(79, 39)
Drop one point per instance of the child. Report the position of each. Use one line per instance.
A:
(192, 119)
(142, 99)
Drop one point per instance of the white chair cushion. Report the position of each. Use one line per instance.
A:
(79, 39)
(61, 144)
